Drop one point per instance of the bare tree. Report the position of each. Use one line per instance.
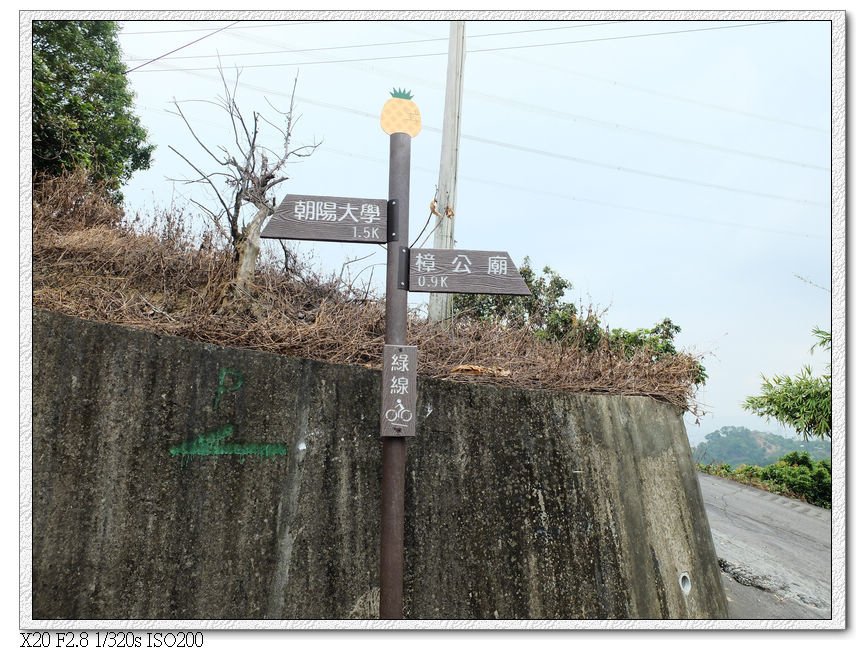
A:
(246, 173)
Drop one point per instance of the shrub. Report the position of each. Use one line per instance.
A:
(795, 475)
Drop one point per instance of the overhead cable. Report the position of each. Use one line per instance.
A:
(476, 51)
(178, 48)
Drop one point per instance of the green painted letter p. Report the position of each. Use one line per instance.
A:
(230, 381)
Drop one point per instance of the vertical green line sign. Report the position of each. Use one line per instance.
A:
(398, 390)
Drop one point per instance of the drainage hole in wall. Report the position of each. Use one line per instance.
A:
(685, 583)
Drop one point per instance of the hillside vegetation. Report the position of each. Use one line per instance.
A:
(740, 446)
(91, 262)
(788, 466)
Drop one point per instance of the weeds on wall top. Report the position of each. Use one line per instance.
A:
(90, 263)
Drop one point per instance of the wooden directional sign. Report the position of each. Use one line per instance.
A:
(449, 270)
(329, 218)
(398, 390)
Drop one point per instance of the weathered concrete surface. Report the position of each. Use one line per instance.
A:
(520, 504)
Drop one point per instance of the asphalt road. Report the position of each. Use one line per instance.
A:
(774, 552)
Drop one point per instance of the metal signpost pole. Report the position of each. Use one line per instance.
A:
(432, 270)
(394, 447)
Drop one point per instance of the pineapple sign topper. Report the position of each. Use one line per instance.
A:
(400, 114)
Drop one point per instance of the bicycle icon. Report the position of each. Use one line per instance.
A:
(398, 413)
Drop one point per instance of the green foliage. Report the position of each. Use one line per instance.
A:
(797, 458)
(795, 474)
(82, 105)
(803, 402)
(543, 310)
(551, 318)
(657, 341)
(824, 339)
(739, 445)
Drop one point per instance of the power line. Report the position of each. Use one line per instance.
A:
(605, 204)
(618, 38)
(548, 29)
(689, 218)
(204, 29)
(299, 51)
(479, 51)
(534, 108)
(669, 96)
(298, 63)
(584, 161)
(180, 48)
(678, 98)
(569, 197)
(614, 82)
(642, 172)
(380, 44)
(605, 123)
(558, 156)
(572, 116)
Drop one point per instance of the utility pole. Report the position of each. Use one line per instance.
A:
(441, 304)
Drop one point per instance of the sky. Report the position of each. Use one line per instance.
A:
(667, 169)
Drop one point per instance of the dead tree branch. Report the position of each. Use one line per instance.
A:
(251, 174)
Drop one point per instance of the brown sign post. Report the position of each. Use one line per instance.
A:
(377, 221)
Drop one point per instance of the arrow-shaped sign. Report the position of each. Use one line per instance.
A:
(450, 270)
(329, 218)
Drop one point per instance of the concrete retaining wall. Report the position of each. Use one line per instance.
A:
(175, 480)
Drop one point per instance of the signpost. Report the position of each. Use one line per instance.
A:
(435, 270)
(329, 218)
(450, 270)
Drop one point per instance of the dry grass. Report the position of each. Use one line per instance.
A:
(86, 264)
